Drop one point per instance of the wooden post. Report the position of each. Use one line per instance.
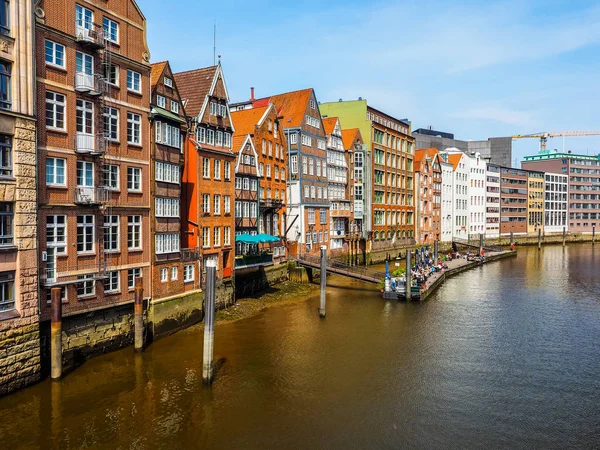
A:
(408, 275)
(138, 315)
(435, 252)
(564, 236)
(480, 244)
(593, 234)
(56, 334)
(539, 238)
(209, 322)
(323, 281)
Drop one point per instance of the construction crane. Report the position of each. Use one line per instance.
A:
(543, 137)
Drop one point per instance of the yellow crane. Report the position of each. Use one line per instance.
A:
(543, 137)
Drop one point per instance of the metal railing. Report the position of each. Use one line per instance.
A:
(84, 195)
(93, 37)
(54, 273)
(89, 83)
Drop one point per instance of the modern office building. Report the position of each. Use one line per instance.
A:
(556, 202)
(535, 201)
(584, 185)
(492, 201)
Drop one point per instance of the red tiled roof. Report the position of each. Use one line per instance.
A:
(349, 136)
(245, 120)
(454, 159)
(237, 141)
(157, 70)
(194, 86)
(291, 105)
(329, 124)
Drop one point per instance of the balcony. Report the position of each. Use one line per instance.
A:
(90, 84)
(338, 234)
(90, 196)
(54, 274)
(190, 254)
(91, 38)
(266, 203)
(244, 261)
(90, 144)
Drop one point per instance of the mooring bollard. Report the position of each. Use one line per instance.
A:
(209, 322)
(512, 238)
(56, 334)
(564, 236)
(138, 315)
(407, 275)
(323, 281)
(539, 238)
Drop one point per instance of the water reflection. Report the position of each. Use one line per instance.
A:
(503, 356)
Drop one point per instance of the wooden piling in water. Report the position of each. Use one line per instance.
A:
(56, 334)
(407, 275)
(323, 299)
(138, 315)
(209, 322)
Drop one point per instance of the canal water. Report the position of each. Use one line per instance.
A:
(505, 356)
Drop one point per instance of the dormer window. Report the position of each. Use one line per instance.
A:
(168, 82)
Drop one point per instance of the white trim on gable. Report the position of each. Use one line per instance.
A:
(241, 151)
(267, 111)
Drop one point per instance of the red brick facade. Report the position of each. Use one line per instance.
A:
(89, 175)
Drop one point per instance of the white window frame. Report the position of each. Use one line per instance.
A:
(54, 50)
(168, 82)
(113, 278)
(53, 225)
(112, 231)
(132, 274)
(112, 115)
(55, 105)
(134, 124)
(161, 101)
(88, 242)
(55, 172)
(174, 273)
(110, 175)
(134, 177)
(134, 232)
(164, 275)
(188, 273)
(108, 24)
(134, 81)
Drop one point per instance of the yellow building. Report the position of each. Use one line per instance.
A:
(535, 203)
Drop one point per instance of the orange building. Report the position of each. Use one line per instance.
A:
(208, 177)
(425, 195)
(264, 128)
(94, 152)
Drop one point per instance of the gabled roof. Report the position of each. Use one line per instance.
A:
(245, 120)
(454, 159)
(349, 136)
(291, 105)
(157, 70)
(329, 124)
(194, 86)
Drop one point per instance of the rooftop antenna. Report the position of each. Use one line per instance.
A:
(215, 43)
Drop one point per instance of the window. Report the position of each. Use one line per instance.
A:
(227, 170)
(55, 171)
(111, 123)
(84, 19)
(174, 273)
(293, 138)
(226, 235)
(168, 82)
(111, 74)
(227, 204)
(217, 171)
(210, 137)
(311, 216)
(134, 232)
(85, 117)
(206, 168)
(111, 30)
(167, 243)
(132, 275)
(111, 233)
(188, 273)
(85, 174)
(85, 234)
(270, 148)
(174, 107)
(217, 204)
(166, 207)
(264, 146)
(294, 164)
(55, 54)
(217, 236)
(5, 156)
(206, 237)
(56, 234)
(134, 81)
(323, 214)
(227, 142)
(220, 138)
(313, 105)
(4, 17)
(6, 223)
(261, 169)
(168, 134)
(111, 282)
(206, 203)
(169, 173)
(201, 134)
(55, 110)
(134, 123)
(161, 101)
(110, 174)
(85, 288)
(134, 179)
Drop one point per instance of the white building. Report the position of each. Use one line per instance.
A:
(460, 193)
(447, 199)
(492, 201)
(477, 194)
(556, 202)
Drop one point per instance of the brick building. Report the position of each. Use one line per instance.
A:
(513, 201)
(19, 310)
(263, 126)
(390, 189)
(535, 202)
(307, 227)
(424, 188)
(170, 262)
(94, 153)
(208, 176)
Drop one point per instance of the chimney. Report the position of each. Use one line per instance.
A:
(252, 94)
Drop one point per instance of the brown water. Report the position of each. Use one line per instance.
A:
(503, 356)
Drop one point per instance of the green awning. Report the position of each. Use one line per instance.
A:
(246, 239)
(168, 114)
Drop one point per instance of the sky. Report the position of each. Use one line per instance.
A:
(475, 69)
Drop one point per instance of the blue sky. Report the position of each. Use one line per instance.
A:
(477, 69)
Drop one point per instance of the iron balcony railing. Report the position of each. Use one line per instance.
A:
(55, 274)
(92, 37)
(90, 196)
(89, 83)
(90, 143)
